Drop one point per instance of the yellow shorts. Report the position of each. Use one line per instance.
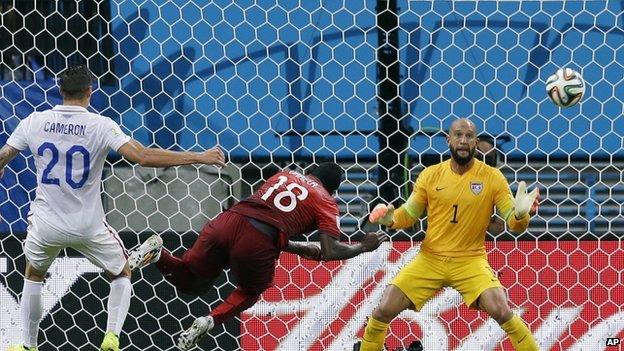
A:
(427, 273)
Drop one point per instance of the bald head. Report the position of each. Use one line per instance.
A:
(463, 123)
(462, 140)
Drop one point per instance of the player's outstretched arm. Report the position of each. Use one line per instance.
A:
(306, 250)
(407, 214)
(332, 249)
(155, 157)
(7, 153)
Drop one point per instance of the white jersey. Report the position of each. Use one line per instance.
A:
(69, 145)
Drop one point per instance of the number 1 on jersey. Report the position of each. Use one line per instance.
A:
(454, 220)
(277, 201)
(270, 190)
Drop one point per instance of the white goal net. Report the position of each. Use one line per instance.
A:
(290, 84)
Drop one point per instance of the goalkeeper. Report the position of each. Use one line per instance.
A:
(459, 196)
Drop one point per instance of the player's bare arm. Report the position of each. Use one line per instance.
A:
(154, 157)
(332, 249)
(309, 251)
(7, 153)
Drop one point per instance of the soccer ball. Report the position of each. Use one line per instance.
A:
(566, 87)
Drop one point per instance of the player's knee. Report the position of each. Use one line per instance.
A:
(35, 277)
(125, 273)
(500, 311)
(33, 274)
(393, 302)
(384, 314)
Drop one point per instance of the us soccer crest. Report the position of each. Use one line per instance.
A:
(476, 187)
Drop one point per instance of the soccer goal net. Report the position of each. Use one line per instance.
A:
(372, 85)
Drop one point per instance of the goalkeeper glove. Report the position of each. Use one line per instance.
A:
(382, 214)
(525, 203)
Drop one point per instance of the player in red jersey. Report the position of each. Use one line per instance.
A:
(248, 239)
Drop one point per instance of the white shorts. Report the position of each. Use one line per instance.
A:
(43, 243)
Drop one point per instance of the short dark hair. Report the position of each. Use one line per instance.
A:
(75, 81)
(330, 175)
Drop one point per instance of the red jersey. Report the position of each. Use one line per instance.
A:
(294, 204)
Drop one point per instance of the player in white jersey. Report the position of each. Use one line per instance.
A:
(70, 145)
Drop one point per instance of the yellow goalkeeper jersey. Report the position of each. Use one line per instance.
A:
(459, 208)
